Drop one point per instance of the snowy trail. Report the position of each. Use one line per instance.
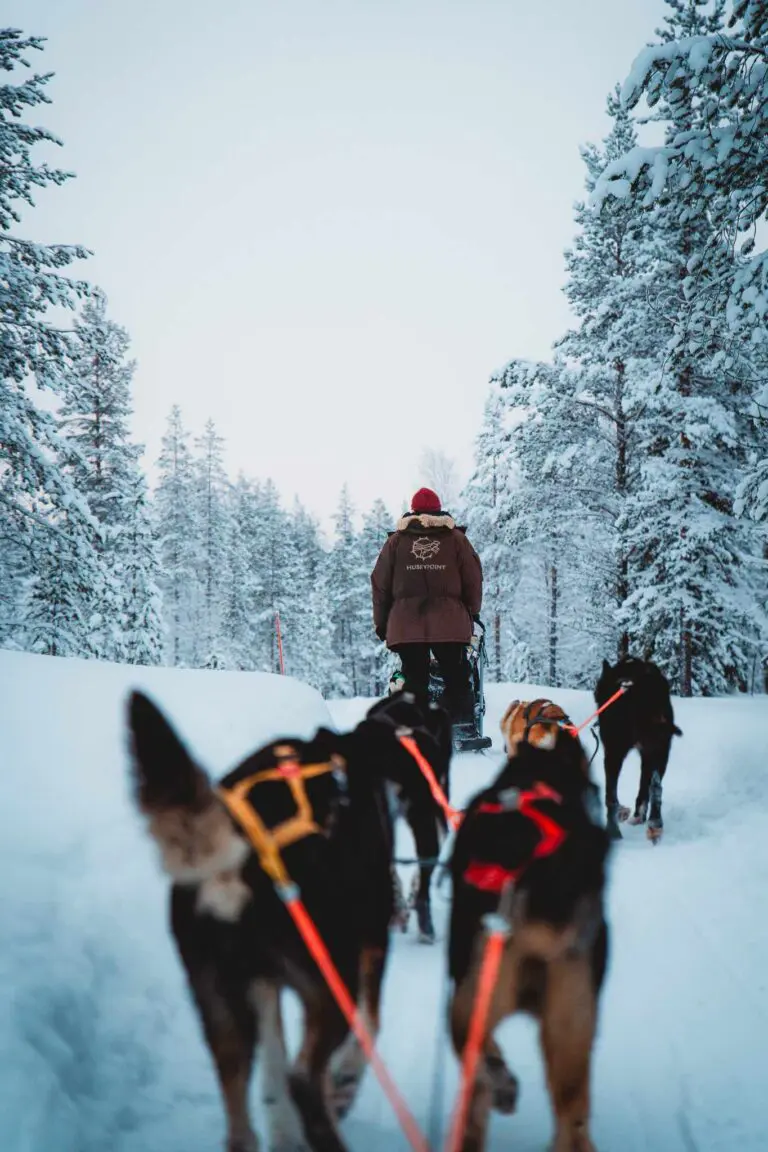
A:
(680, 1059)
(99, 1047)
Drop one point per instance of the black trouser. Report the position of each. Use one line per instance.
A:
(453, 666)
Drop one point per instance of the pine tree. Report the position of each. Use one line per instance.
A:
(709, 85)
(241, 590)
(308, 631)
(140, 597)
(350, 603)
(66, 582)
(272, 560)
(376, 661)
(16, 532)
(544, 523)
(178, 542)
(212, 518)
(614, 356)
(693, 598)
(32, 346)
(486, 505)
(103, 463)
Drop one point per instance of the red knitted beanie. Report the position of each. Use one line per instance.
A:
(425, 500)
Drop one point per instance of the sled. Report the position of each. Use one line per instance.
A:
(467, 736)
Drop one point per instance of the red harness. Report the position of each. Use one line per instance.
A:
(492, 877)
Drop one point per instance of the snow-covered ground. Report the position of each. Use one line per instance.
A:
(99, 1046)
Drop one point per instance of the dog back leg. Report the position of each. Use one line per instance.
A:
(324, 1031)
(615, 812)
(230, 1026)
(640, 813)
(659, 767)
(493, 1076)
(423, 825)
(567, 1034)
(348, 1063)
(284, 1130)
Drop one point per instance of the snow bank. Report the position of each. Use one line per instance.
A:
(94, 1017)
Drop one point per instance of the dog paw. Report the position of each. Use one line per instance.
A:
(287, 1142)
(505, 1087)
(575, 1140)
(244, 1143)
(638, 818)
(654, 832)
(400, 921)
(344, 1086)
(623, 813)
(613, 830)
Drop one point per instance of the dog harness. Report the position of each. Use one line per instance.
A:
(494, 877)
(561, 721)
(268, 842)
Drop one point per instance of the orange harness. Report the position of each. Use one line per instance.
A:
(269, 842)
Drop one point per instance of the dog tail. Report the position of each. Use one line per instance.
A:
(192, 828)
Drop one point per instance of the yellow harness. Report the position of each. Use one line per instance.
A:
(268, 842)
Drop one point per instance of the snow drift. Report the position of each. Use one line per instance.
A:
(93, 1004)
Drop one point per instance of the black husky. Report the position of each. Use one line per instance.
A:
(643, 719)
(325, 802)
(430, 726)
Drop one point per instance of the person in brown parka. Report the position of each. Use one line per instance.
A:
(427, 588)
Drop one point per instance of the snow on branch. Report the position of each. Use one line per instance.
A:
(620, 175)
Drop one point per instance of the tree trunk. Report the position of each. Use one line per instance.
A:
(497, 647)
(622, 564)
(687, 654)
(553, 597)
(685, 657)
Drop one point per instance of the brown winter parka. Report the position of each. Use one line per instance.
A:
(427, 583)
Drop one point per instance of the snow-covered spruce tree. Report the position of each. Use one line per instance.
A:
(140, 598)
(614, 355)
(486, 505)
(562, 572)
(178, 539)
(272, 561)
(241, 587)
(709, 84)
(694, 602)
(32, 349)
(15, 565)
(211, 491)
(349, 584)
(103, 464)
(307, 627)
(376, 661)
(66, 582)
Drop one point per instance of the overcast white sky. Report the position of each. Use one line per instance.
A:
(324, 224)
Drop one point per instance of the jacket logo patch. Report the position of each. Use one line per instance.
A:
(424, 548)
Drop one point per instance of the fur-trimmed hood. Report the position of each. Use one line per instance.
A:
(424, 521)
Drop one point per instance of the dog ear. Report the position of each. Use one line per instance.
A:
(163, 773)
